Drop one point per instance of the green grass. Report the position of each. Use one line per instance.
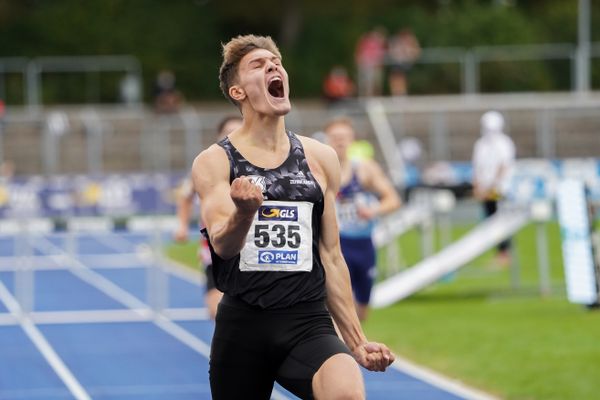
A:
(507, 339)
(489, 331)
(184, 253)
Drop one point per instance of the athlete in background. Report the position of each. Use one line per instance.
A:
(493, 162)
(185, 202)
(365, 194)
(268, 201)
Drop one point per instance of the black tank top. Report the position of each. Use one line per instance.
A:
(280, 264)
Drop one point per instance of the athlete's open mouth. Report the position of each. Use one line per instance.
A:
(276, 88)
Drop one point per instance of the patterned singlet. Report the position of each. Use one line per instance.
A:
(279, 265)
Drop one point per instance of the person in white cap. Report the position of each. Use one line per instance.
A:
(493, 160)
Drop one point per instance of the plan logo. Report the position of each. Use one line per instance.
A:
(278, 257)
(278, 213)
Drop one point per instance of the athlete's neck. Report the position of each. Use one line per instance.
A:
(266, 132)
(344, 161)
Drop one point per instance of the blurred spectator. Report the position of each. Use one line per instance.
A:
(337, 85)
(403, 51)
(411, 157)
(167, 99)
(369, 56)
(493, 160)
(411, 152)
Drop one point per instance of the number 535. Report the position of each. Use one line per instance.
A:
(277, 235)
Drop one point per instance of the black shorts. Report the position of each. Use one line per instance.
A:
(210, 279)
(252, 348)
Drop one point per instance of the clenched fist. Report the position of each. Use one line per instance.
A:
(373, 356)
(246, 196)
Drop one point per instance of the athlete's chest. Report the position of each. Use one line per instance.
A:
(293, 184)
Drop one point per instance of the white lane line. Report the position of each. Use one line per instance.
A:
(173, 267)
(48, 262)
(198, 345)
(276, 395)
(186, 314)
(184, 272)
(161, 321)
(95, 279)
(8, 320)
(144, 391)
(43, 346)
(90, 316)
(9, 301)
(107, 316)
(58, 262)
(114, 260)
(118, 242)
(436, 379)
(183, 335)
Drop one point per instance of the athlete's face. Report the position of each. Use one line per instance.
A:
(340, 137)
(263, 82)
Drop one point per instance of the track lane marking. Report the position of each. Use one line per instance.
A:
(40, 342)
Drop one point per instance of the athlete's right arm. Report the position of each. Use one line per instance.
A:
(227, 210)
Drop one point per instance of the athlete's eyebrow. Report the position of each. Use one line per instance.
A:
(261, 59)
(258, 60)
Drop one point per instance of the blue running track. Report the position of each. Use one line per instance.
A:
(97, 328)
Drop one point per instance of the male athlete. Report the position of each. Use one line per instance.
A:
(493, 161)
(365, 194)
(268, 201)
(212, 295)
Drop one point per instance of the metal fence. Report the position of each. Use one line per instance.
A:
(471, 63)
(96, 140)
(550, 126)
(119, 139)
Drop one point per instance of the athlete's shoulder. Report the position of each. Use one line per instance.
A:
(368, 164)
(323, 161)
(211, 162)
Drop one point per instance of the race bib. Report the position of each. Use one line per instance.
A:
(280, 238)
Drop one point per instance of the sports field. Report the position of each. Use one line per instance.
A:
(84, 317)
(490, 331)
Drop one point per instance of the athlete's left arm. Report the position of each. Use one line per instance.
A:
(373, 356)
(377, 182)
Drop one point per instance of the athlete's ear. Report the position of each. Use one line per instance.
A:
(237, 93)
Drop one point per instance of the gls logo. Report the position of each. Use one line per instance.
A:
(277, 213)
